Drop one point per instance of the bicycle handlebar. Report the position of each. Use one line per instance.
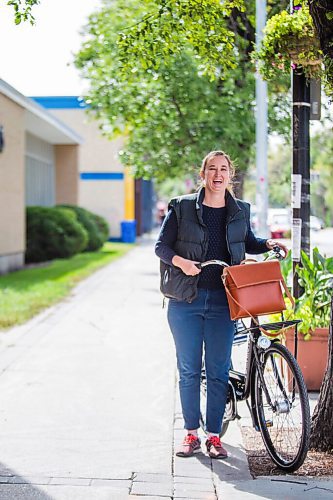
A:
(212, 262)
(276, 254)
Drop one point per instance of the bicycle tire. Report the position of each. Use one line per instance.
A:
(285, 429)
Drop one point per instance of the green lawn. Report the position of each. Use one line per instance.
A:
(25, 293)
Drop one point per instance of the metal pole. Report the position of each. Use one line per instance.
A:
(301, 169)
(261, 130)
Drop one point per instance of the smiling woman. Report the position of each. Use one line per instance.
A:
(217, 172)
(207, 225)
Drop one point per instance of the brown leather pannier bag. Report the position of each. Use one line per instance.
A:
(255, 288)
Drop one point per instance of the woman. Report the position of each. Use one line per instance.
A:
(210, 224)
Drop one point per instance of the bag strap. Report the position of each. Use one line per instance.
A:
(248, 312)
(290, 297)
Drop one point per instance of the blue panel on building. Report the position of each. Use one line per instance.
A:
(101, 176)
(61, 102)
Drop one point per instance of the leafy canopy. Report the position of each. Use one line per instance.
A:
(167, 27)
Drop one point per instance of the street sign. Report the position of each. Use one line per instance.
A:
(296, 239)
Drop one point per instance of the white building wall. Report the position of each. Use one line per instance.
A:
(98, 155)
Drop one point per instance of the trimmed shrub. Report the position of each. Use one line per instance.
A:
(53, 232)
(103, 226)
(96, 227)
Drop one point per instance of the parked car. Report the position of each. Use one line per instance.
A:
(316, 224)
(279, 222)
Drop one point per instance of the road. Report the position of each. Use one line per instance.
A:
(323, 240)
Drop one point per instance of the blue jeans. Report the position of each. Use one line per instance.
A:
(206, 321)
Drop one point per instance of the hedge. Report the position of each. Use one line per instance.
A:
(96, 227)
(53, 232)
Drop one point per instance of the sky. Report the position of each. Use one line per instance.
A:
(34, 59)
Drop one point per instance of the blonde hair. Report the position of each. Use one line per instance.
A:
(212, 154)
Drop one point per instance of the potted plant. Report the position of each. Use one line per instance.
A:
(313, 308)
(290, 41)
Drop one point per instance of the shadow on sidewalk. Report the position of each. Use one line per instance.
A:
(13, 486)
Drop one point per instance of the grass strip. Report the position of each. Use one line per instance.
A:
(25, 293)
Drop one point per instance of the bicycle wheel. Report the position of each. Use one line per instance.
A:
(283, 408)
(203, 405)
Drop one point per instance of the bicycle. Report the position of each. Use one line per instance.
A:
(274, 385)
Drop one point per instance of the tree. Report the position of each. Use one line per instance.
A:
(322, 14)
(157, 105)
(23, 10)
(321, 429)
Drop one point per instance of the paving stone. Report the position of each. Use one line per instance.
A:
(189, 486)
(200, 495)
(162, 490)
(197, 458)
(192, 480)
(148, 497)
(152, 478)
(112, 483)
(190, 472)
(71, 481)
(192, 464)
(4, 479)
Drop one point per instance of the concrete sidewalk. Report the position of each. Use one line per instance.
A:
(89, 407)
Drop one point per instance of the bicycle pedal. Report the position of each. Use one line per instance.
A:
(269, 423)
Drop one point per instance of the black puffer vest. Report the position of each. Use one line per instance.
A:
(192, 241)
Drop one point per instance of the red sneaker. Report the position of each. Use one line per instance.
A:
(190, 445)
(215, 448)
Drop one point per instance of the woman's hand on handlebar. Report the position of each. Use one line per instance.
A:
(273, 243)
(188, 267)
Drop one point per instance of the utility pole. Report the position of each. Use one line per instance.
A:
(300, 167)
(261, 130)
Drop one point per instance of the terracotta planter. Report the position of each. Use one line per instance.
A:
(311, 356)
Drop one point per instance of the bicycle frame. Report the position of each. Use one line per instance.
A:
(243, 383)
(247, 379)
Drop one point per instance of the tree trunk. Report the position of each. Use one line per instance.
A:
(322, 429)
(238, 183)
(324, 26)
(319, 9)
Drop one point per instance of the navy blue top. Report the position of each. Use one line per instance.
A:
(215, 220)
